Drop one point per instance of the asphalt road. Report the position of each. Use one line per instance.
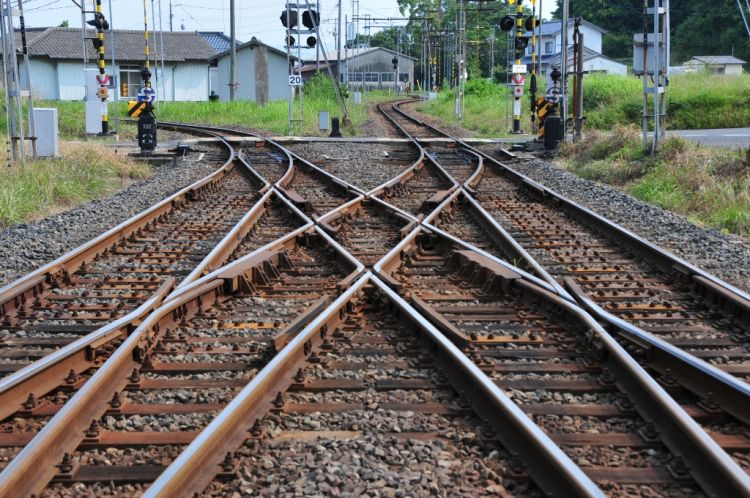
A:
(733, 138)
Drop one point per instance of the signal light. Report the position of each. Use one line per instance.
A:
(291, 20)
(531, 23)
(99, 22)
(312, 41)
(290, 41)
(507, 23)
(522, 42)
(310, 19)
(394, 61)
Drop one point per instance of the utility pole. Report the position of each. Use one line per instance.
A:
(171, 16)
(317, 47)
(232, 54)
(338, 45)
(564, 67)
(115, 79)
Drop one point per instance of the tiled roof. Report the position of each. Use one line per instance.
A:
(718, 59)
(179, 46)
(218, 40)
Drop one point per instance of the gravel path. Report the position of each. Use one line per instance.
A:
(27, 246)
(726, 256)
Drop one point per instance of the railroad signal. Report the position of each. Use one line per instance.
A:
(290, 41)
(310, 19)
(531, 23)
(394, 61)
(311, 41)
(99, 22)
(289, 19)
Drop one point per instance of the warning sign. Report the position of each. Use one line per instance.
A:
(104, 79)
(518, 79)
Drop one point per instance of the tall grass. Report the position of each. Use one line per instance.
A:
(694, 101)
(83, 172)
(709, 186)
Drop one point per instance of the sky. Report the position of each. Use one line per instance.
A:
(259, 18)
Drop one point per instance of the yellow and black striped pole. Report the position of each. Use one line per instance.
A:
(146, 73)
(533, 86)
(146, 120)
(103, 91)
(519, 54)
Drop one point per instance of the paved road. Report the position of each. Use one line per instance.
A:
(734, 138)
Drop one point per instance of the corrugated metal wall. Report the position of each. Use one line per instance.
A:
(278, 76)
(245, 76)
(70, 80)
(43, 78)
(190, 82)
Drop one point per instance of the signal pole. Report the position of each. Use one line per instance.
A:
(517, 76)
(232, 54)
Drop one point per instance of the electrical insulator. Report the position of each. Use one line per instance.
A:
(291, 20)
(310, 19)
(507, 23)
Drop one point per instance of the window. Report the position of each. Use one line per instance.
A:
(371, 78)
(355, 77)
(549, 47)
(130, 80)
(386, 77)
(403, 77)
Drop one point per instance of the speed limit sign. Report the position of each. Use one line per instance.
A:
(295, 80)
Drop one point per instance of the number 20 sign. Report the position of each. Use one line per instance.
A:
(295, 80)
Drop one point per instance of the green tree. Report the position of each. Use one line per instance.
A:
(64, 24)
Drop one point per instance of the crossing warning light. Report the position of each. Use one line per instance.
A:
(507, 23)
(531, 23)
(394, 61)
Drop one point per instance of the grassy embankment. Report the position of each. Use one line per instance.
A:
(695, 101)
(82, 172)
(710, 186)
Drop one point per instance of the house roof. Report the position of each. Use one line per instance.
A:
(218, 41)
(550, 28)
(254, 42)
(65, 43)
(717, 59)
(350, 53)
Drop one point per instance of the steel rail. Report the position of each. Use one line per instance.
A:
(711, 466)
(35, 465)
(198, 464)
(42, 376)
(697, 375)
(712, 285)
(498, 234)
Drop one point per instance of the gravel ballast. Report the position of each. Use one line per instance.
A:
(724, 255)
(27, 246)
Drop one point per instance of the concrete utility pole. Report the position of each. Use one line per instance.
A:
(338, 46)
(232, 54)
(171, 16)
(317, 45)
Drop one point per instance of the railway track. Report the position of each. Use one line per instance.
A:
(290, 361)
(116, 273)
(176, 371)
(566, 373)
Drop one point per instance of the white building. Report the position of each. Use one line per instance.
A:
(262, 73)
(369, 66)
(551, 49)
(715, 64)
(56, 63)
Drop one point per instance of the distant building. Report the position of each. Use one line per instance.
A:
(550, 44)
(716, 64)
(262, 73)
(371, 67)
(56, 63)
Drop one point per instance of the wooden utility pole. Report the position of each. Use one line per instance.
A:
(233, 53)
